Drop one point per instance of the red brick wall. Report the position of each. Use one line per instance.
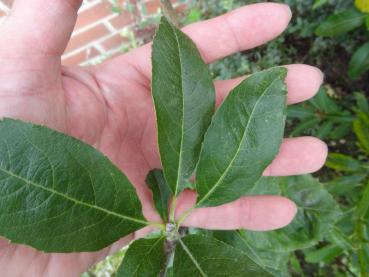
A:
(99, 32)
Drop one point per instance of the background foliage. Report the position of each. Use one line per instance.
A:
(339, 114)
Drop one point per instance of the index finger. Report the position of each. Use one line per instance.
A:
(216, 38)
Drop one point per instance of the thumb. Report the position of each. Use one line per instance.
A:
(41, 26)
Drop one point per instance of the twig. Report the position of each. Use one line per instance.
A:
(170, 12)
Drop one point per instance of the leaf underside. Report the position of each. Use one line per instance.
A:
(243, 138)
(184, 99)
(58, 194)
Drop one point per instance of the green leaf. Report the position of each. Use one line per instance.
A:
(361, 129)
(367, 22)
(341, 23)
(304, 126)
(59, 194)
(319, 3)
(340, 239)
(317, 212)
(341, 131)
(324, 254)
(300, 112)
(359, 62)
(202, 256)
(194, 15)
(362, 102)
(274, 263)
(161, 192)
(323, 102)
(324, 130)
(363, 254)
(344, 185)
(362, 206)
(144, 257)
(342, 162)
(249, 126)
(184, 98)
(340, 119)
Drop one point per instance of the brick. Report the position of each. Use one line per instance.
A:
(87, 37)
(82, 56)
(152, 7)
(93, 14)
(122, 20)
(181, 8)
(113, 42)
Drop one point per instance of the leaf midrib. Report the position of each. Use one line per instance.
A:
(188, 252)
(76, 201)
(147, 254)
(183, 103)
(238, 149)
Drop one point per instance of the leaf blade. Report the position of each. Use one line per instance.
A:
(317, 212)
(144, 257)
(253, 112)
(161, 192)
(48, 179)
(359, 62)
(184, 104)
(195, 256)
(340, 23)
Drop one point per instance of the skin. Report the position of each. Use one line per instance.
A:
(109, 106)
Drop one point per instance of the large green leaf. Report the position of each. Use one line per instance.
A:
(243, 138)
(144, 257)
(272, 262)
(58, 194)
(161, 192)
(359, 62)
(184, 98)
(341, 23)
(317, 212)
(198, 255)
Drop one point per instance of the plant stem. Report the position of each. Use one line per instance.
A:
(173, 210)
(170, 12)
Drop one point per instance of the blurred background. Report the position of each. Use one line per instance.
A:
(330, 34)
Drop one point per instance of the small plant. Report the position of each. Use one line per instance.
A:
(59, 194)
(322, 117)
(346, 21)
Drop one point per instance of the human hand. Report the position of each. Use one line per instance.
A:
(109, 106)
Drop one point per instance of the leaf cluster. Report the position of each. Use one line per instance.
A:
(58, 194)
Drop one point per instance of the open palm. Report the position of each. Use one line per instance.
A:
(109, 106)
